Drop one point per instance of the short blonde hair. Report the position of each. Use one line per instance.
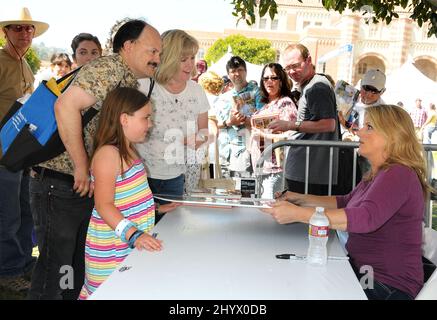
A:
(304, 52)
(402, 146)
(211, 82)
(176, 44)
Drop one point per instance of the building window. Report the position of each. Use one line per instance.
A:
(262, 23)
(306, 24)
(425, 32)
(200, 54)
(373, 30)
(318, 24)
(274, 25)
(362, 68)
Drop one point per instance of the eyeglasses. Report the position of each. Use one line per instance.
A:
(273, 78)
(21, 27)
(370, 89)
(294, 66)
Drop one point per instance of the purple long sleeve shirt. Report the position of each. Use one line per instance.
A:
(384, 221)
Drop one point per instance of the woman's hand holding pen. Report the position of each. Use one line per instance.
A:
(289, 196)
(283, 212)
(281, 195)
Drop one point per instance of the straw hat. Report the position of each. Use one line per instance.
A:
(24, 17)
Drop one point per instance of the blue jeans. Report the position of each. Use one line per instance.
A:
(173, 187)
(15, 224)
(383, 291)
(61, 222)
(429, 131)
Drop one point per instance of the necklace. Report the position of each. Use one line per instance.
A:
(173, 89)
(26, 86)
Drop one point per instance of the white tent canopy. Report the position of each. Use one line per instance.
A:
(406, 84)
(253, 70)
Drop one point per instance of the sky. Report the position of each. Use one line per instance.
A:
(68, 18)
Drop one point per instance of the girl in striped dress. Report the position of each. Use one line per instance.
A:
(124, 210)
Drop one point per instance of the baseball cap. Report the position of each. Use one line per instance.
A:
(374, 78)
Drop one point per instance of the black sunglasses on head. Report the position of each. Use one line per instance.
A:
(370, 89)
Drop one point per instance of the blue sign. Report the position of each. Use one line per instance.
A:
(334, 53)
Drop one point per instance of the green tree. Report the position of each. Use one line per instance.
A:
(422, 11)
(31, 57)
(257, 51)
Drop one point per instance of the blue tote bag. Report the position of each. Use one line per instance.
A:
(36, 115)
(29, 132)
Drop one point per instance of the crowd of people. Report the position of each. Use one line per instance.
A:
(160, 113)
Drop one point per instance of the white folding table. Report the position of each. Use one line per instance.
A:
(215, 254)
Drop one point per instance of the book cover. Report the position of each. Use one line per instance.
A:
(215, 202)
(215, 194)
(262, 121)
(245, 103)
(346, 95)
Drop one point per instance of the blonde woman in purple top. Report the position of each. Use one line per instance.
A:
(384, 213)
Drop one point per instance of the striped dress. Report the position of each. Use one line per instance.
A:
(104, 251)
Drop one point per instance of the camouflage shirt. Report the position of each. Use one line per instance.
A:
(97, 78)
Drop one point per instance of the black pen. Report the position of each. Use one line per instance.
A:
(288, 256)
(282, 193)
(155, 234)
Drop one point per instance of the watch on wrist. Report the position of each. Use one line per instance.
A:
(224, 124)
(298, 124)
(202, 137)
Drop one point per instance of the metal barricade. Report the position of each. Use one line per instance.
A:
(331, 145)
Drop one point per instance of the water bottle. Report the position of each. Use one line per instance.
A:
(318, 238)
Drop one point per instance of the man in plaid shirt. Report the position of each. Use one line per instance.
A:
(418, 115)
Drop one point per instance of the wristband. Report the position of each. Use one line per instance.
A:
(134, 238)
(157, 205)
(121, 226)
(123, 234)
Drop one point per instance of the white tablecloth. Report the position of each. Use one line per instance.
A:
(229, 254)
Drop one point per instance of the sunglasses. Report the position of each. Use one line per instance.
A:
(273, 78)
(370, 89)
(21, 27)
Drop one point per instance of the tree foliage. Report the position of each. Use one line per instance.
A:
(257, 51)
(31, 57)
(421, 11)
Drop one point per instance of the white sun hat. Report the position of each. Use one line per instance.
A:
(24, 17)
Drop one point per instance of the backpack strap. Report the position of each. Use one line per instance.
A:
(91, 112)
(68, 77)
(88, 116)
(68, 74)
(151, 86)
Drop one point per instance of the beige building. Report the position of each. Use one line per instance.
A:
(381, 46)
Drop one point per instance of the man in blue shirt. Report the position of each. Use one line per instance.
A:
(233, 112)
